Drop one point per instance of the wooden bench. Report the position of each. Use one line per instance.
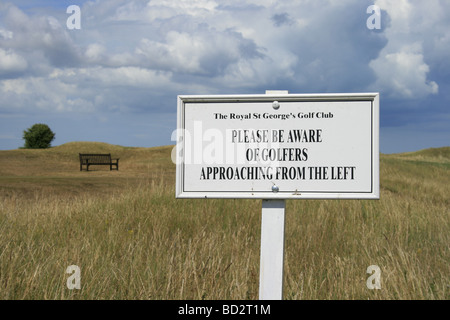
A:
(92, 159)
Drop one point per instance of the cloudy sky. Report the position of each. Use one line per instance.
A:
(117, 78)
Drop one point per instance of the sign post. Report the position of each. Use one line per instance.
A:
(277, 146)
(272, 250)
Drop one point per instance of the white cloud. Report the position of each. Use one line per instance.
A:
(38, 36)
(164, 9)
(95, 53)
(415, 33)
(83, 90)
(403, 74)
(6, 34)
(11, 62)
(127, 76)
(34, 94)
(206, 52)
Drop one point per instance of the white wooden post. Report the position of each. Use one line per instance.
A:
(272, 244)
(272, 250)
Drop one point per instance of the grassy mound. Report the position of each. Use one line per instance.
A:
(431, 155)
(57, 169)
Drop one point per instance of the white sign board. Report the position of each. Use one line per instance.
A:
(278, 146)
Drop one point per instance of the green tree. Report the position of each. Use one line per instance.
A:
(39, 136)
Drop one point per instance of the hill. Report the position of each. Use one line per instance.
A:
(431, 155)
(417, 174)
(57, 169)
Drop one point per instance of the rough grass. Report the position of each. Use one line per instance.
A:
(133, 240)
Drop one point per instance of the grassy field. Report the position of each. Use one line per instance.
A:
(133, 240)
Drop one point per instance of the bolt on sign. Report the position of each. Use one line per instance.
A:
(278, 146)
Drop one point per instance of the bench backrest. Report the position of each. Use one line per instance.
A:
(95, 158)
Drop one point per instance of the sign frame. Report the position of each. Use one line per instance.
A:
(183, 100)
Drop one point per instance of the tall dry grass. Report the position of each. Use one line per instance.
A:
(139, 242)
